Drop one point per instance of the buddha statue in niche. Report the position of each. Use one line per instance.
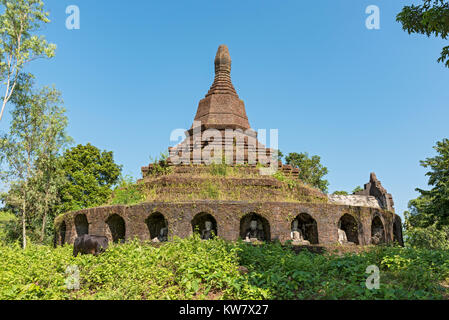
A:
(207, 233)
(377, 237)
(162, 237)
(342, 238)
(255, 232)
(297, 235)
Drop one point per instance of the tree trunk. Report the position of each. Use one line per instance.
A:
(44, 219)
(44, 222)
(24, 235)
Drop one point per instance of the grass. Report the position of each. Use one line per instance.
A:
(194, 269)
(215, 182)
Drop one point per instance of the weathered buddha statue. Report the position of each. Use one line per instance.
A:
(377, 237)
(342, 238)
(252, 232)
(207, 232)
(163, 236)
(297, 235)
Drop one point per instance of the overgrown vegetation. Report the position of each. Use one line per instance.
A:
(219, 169)
(81, 177)
(90, 174)
(427, 221)
(311, 171)
(195, 269)
(7, 219)
(345, 193)
(431, 237)
(238, 184)
(128, 192)
(29, 154)
(159, 165)
(340, 193)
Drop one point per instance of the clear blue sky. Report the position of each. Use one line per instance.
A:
(364, 100)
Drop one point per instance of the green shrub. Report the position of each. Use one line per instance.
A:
(428, 238)
(182, 269)
(405, 273)
(9, 227)
(211, 191)
(195, 269)
(342, 193)
(160, 165)
(291, 182)
(128, 192)
(218, 169)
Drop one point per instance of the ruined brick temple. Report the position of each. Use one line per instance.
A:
(188, 193)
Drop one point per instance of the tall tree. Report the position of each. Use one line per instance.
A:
(432, 206)
(430, 18)
(49, 176)
(90, 175)
(30, 150)
(19, 149)
(418, 214)
(19, 44)
(438, 178)
(311, 171)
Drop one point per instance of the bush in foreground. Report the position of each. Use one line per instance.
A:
(195, 269)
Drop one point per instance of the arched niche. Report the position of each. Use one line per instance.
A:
(263, 227)
(117, 228)
(349, 225)
(200, 223)
(308, 227)
(156, 223)
(81, 225)
(377, 231)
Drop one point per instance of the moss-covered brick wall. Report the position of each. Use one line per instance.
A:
(228, 216)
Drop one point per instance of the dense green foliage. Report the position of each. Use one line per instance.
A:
(438, 196)
(90, 175)
(218, 169)
(128, 192)
(427, 220)
(83, 177)
(404, 273)
(311, 171)
(195, 269)
(431, 237)
(7, 219)
(432, 206)
(342, 193)
(182, 269)
(29, 155)
(430, 18)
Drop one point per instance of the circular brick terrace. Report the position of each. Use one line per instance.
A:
(228, 216)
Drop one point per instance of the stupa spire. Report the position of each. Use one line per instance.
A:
(222, 107)
(222, 82)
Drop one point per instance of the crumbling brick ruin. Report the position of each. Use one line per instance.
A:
(246, 205)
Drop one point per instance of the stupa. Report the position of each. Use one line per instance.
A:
(212, 183)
